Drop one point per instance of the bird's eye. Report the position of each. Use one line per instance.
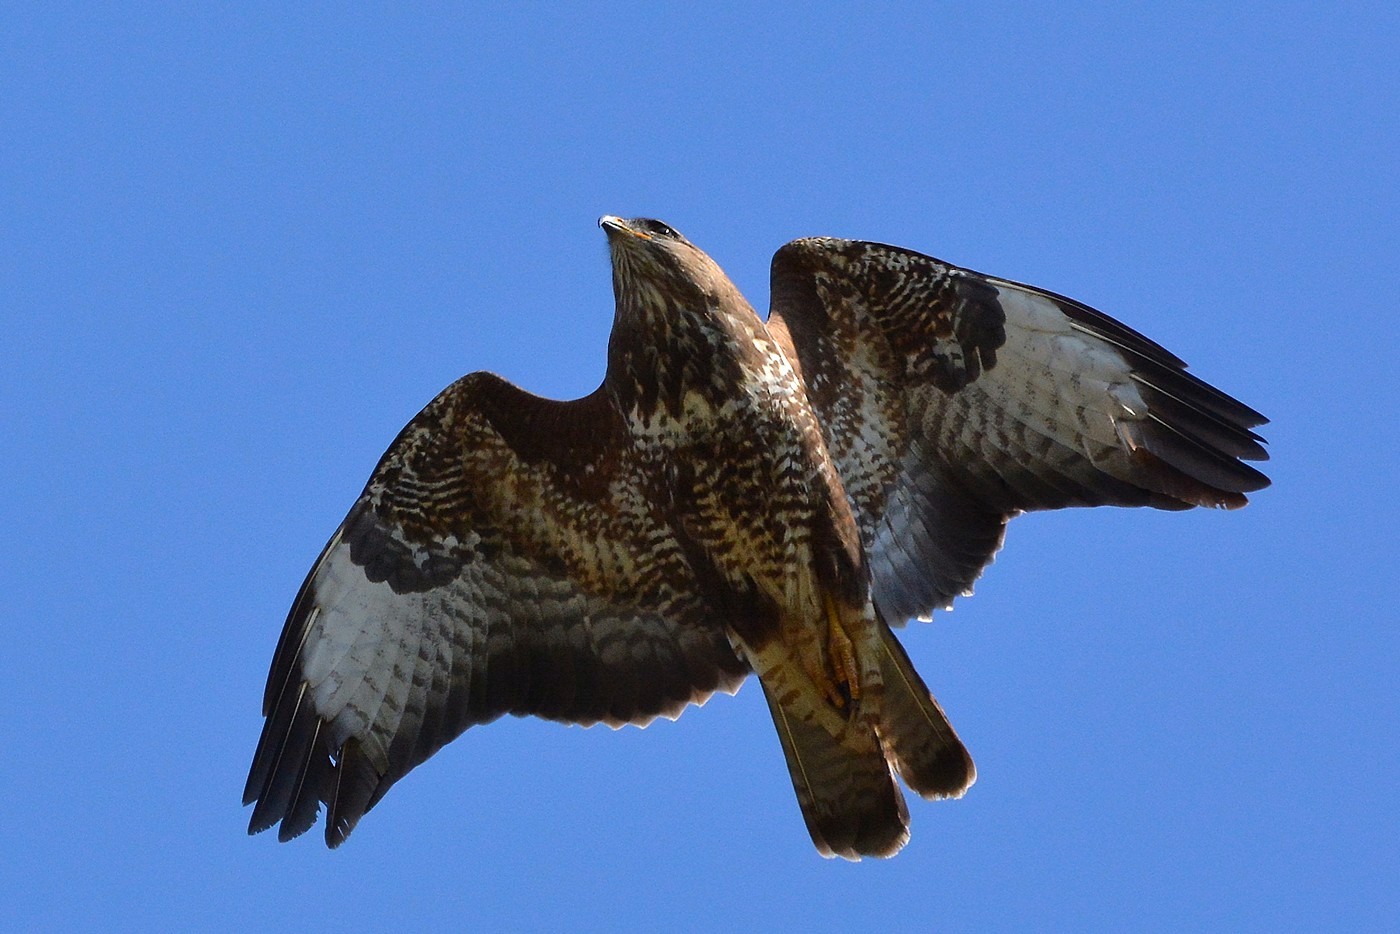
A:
(658, 228)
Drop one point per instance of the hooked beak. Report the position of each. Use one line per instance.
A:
(612, 224)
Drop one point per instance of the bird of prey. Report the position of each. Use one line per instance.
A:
(735, 497)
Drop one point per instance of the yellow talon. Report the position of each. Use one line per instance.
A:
(841, 652)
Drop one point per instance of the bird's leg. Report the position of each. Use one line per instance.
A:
(842, 655)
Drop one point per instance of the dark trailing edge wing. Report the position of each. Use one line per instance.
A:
(477, 575)
(511, 554)
(952, 401)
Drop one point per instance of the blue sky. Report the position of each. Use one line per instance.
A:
(239, 248)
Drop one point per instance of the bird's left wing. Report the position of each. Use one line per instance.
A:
(505, 557)
(952, 401)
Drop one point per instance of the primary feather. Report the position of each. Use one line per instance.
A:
(735, 496)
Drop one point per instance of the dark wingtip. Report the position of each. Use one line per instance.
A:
(293, 770)
(353, 793)
(289, 738)
(1188, 470)
(1199, 433)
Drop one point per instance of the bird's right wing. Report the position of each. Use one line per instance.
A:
(502, 559)
(952, 401)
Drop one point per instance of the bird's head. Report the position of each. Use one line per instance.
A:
(655, 265)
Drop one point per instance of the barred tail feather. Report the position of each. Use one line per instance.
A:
(849, 798)
(914, 730)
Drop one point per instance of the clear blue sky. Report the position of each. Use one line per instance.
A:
(239, 249)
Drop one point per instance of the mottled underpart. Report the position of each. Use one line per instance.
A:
(733, 495)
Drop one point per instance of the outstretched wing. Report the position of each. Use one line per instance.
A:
(952, 401)
(504, 558)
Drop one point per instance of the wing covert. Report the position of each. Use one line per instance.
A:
(503, 558)
(952, 401)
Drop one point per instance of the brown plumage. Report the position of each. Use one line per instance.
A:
(733, 497)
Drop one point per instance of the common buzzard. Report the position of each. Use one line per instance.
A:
(734, 497)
